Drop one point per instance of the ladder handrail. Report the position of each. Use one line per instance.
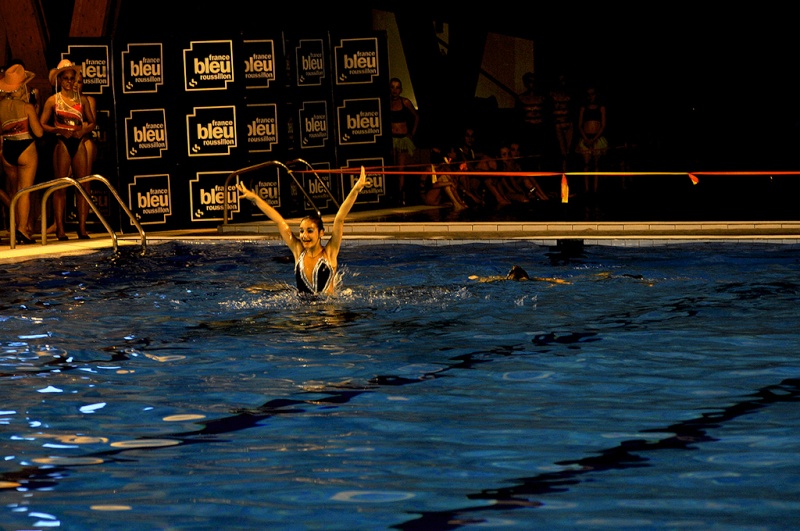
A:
(63, 182)
(237, 173)
(51, 186)
(324, 187)
(98, 177)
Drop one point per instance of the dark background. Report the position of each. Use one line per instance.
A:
(694, 87)
(702, 86)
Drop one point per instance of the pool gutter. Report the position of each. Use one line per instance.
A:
(632, 234)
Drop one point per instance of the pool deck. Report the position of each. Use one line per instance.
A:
(403, 224)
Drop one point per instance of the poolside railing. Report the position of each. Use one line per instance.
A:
(274, 163)
(56, 184)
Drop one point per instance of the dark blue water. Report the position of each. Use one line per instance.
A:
(635, 388)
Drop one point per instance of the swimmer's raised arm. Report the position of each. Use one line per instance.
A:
(283, 227)
(338, 222)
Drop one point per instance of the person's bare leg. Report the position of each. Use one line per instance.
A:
(12, 184)
(59, 211)
(458, 203)
(81, 168)
(61, 168)
(587, 163)
(83, 210)
(26, 174)
(496, 193)
(403, 159)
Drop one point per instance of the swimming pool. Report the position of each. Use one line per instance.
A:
(190, 388)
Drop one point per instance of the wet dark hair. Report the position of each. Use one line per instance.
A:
(517, 273)
(314, 218)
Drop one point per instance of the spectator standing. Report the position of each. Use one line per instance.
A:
(405, 122)
(592, 144)
(531, 107)
(563, 119)
(69, 116)
(20, 129)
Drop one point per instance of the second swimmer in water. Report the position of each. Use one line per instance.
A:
(517, 273)
(315, 265)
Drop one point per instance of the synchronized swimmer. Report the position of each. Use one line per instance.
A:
(315, 265)
(519, 274)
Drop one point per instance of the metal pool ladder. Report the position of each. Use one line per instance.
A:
(63, 182)
(242, 171)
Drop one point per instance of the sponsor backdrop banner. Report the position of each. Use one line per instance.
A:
(359, 66)
(178, 115)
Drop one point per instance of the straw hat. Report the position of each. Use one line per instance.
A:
(64, 64)
(14, 77)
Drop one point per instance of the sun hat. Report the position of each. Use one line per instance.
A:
(64, 64)
(14, 77)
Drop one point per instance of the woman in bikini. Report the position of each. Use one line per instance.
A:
(316, 265)
(72, 120)
(405, 121)
(20, 129)
(592, 144)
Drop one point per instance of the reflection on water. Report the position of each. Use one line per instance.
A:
(193, 385)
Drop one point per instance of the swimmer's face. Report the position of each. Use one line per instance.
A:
(309, 233)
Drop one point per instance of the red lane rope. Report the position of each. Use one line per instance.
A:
(382, 170)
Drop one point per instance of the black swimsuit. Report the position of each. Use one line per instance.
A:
(15, 132)
(321, 277)
(402, 116)
(12, 149)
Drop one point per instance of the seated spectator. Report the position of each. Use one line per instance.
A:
(512, 186)
(476, 189)
(466, 160)
(494, 184)
(523, 188)
(440, 183)
(532, 187)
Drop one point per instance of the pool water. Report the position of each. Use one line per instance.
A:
(191, 388)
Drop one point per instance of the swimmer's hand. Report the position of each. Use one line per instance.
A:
(552, 280)
(362, 181)
(495, 278)
(268, 286)
(245, 193)
(498, 278)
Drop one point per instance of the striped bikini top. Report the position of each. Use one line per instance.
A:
(68, 116)
(15, 127)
